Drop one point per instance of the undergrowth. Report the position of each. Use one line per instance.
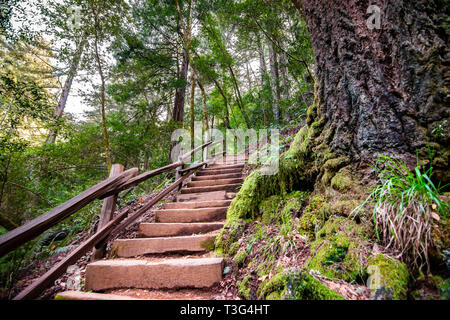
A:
(406, 206)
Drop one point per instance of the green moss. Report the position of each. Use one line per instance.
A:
(208, 244)
(336, 163)
(229, 235)
(275, 284)
(393, 277)
(339, 250)
(274, 296)
(342, 181)
(341, 207)
(312, 218)
(269, 209)
(234, 247)
(244, 287)
(296, 285)
(444, 289)
(239, 258)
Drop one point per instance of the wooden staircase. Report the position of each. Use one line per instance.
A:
(174, 251)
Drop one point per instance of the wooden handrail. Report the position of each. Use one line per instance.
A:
(54, 273)
(199, 148)
(100, 237)
(150, 204)
(37, 226)
(104, 189)
(140, 178)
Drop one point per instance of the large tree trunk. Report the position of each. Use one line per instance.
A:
(381, 90)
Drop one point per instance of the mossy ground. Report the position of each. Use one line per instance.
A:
(300, 218)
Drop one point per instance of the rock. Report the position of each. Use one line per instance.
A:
(389, 278)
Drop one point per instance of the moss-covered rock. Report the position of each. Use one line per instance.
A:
(390, 277)
(342, 180)
(244, 287)
(312, 218)
(296, 285)
(340, 207)
(340, 250)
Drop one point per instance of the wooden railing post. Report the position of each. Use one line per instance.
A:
(177, 170)
(108, 208)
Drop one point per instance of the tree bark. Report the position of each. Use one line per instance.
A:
(381, 90)
(180, 95)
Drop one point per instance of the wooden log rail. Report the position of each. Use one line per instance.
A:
(109, 188)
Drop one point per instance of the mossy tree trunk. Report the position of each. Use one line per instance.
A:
(380, 90)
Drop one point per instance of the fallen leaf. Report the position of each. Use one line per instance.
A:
(435, 216)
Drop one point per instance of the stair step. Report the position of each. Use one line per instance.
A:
(219, 165)
(213, 172)
(214, 182)
(225, 187)
(197, 204)
(177, 229)
(217, 176)
(144, 274)
(191, 215)
(205, 196)
(126, 248)
(80, 295)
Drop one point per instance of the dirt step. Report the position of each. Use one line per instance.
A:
(80, 295)
(144, 274)
(177, 229)
(214, 182)
(196, 204)
(225, 187)
(205, 196)
(191, 215)
(126, 248)
(167, 294)
(213, 172)
(217, 176)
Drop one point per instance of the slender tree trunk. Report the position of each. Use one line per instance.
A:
(284, 76)
(180, 95)
(275, 81)
(66, 89)
(238, 96)
(229, 66)
(225, 101)
(265, 82)
(191, 112)
(205, 110)
(381, 90)
(102, 104)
